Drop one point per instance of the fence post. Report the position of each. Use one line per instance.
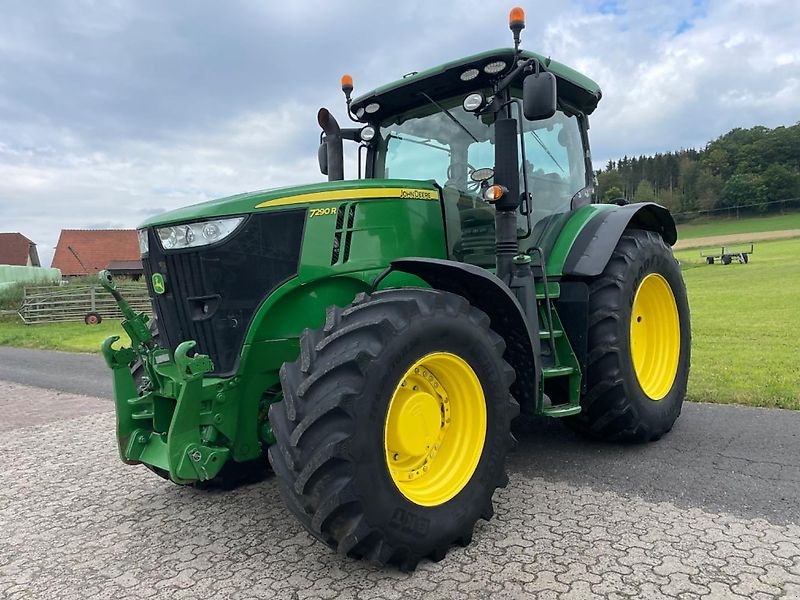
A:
(92, 296)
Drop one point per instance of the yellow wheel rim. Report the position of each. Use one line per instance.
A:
(655, 336)
(435, 429)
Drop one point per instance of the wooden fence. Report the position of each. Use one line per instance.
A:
(53, 304)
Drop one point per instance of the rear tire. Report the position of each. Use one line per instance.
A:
(332, 455)
(621, 403)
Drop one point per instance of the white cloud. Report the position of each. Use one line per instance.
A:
(735, 65)
(64, 186)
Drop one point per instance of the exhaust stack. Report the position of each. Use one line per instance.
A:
(333, 144)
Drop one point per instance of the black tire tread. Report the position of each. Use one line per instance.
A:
(606, 414)
(312, 425)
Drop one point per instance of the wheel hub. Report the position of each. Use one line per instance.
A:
(435, 428)
(417, 425)
(655, 336)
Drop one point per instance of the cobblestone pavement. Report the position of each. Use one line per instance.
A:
(76, 523)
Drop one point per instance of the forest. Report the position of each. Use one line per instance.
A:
(753, 170)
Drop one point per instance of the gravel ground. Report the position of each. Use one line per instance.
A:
(76, 523)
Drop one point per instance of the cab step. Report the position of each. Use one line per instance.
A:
(545, 335)
(550, 372)
(561, 410)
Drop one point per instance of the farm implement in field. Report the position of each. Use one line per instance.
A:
(728, 254)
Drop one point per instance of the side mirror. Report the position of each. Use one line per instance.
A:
(539, 96)
(322, 157)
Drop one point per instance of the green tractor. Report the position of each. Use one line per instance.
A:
(375, 337)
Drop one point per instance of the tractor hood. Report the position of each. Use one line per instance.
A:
(279, 198)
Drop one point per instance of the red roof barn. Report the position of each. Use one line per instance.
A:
(16, 249)
(87, 251)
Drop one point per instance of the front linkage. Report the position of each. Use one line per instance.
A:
(173, 419)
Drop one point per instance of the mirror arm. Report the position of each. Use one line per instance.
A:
(509, 79)
(525, 188)
(351, 133)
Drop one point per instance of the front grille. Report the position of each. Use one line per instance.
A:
(213, 292)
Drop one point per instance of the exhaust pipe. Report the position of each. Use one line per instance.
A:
(333, 144)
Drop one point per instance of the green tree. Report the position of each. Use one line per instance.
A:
(644, 192)
(613, 193)
(689, 174)
(717, 162)
(780, 183)
(708, 189)
(672, 199)
(743, 189)
(742, 167)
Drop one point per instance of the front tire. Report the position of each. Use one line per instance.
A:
(394, 427)
(639, 344)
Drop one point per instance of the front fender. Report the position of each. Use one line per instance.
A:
(486, 292)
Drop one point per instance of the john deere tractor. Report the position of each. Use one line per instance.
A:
(375, 337)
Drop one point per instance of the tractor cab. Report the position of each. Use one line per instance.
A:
(439, 126)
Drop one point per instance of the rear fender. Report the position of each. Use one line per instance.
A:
(594, 245)
(486, 292)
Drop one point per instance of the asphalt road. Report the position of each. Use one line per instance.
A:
(84, 374)
(711, 510)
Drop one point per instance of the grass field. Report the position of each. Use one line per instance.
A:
(746, 327)
(71, 337)
(716, 226)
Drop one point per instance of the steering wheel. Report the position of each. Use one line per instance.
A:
(472, 186)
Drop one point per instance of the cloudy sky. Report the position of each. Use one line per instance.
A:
(114, 110)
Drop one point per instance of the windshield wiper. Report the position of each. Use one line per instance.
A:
(420, 142)
(452, 117)
(546, 149)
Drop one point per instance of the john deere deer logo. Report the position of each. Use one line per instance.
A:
(159, 285)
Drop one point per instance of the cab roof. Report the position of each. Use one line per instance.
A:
(445, 81)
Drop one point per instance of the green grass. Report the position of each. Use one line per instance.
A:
(717, 226)
(71, 337)
(11, 296)
(746, 327)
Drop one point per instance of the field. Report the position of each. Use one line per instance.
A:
(746, 327)
(716, 227)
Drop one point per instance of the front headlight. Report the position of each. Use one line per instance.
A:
(192, 235)
(143, 245)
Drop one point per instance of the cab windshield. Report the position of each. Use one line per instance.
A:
(426, 144)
